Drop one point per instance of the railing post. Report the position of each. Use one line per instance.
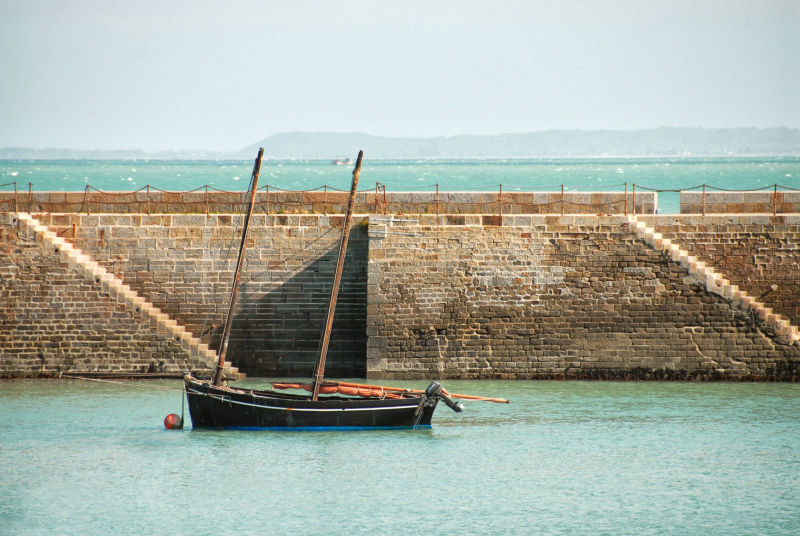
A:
(15, 198)
(205, 199)
(626, 198)
(377, 189)
(266, 204)
(437, 199)
(148, 199)
(633, 198)
(30, 196)
(562, 199)
(325, 199)
(500, 199)
(704, 199)
(775, 200)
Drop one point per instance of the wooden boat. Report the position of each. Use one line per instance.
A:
(329, 405)
(226, 407)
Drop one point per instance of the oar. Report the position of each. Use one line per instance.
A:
(417, 391)
(479, 398)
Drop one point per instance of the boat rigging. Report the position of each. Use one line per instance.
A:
(329, 404)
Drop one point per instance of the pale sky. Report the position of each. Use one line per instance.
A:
(175, 74)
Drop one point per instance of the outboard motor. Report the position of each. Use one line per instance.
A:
(435, 390)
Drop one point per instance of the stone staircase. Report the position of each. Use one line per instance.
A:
(716, 282)
(136, 304)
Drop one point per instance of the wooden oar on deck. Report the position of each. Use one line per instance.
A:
(392, 390)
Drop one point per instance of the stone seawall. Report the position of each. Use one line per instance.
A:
(553, 297)
(334, 202)
(184, 265)
(331, 202)
(54, 320)
(759, 253)
(451, 296)
(733, 202)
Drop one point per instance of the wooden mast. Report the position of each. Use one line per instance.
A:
(226, 332)
(319, 372)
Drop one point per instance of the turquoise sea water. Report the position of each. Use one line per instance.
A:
(608, 174)
(563, 458)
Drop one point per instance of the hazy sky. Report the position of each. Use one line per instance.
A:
(221, 75)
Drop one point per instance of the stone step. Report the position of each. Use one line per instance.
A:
(232, 372)
(663, 243)
(122, 293)
(59, 242)
(794, 335)
(714, 281)
(783, 324)
(729, 291)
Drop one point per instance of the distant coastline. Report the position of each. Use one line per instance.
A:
(652, 143)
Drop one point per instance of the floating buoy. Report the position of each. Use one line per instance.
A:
(173, 422)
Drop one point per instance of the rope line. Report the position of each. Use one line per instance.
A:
(131, 384)
(375, 202)
(709, 187)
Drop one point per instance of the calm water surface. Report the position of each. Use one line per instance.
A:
(563, 458)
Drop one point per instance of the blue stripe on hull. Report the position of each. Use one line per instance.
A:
(315, 428)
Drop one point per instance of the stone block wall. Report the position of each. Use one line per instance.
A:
(53, 320)
(517, 203)
(719, 202)
(423, 296)
(184, 264)
(335, 202)
(330, 202)
(760, 254)
(550, 297)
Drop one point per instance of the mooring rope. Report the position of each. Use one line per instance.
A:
(227, 256)
(140, 385)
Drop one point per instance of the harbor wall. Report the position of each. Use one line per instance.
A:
(380, 202)
(568, 297)
(759, 253)
(450, 296)
(184, 265)
(54, 320)
(740, 202)
(330, 202)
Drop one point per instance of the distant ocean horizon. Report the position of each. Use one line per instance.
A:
(512, 174)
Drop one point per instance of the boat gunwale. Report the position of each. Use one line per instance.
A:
(204, 389)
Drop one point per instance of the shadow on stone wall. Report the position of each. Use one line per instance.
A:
(276, 332)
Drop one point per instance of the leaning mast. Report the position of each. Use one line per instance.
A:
(319, 372)
(216, 379)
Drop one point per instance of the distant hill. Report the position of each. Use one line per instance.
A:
(664, 141)
(558, 143)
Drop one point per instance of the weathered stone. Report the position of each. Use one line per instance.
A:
(577, 296)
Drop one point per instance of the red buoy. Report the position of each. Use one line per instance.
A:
(173, 422)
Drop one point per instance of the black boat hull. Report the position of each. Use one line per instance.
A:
(222, 407)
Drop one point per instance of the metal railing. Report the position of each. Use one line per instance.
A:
(273, 200)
